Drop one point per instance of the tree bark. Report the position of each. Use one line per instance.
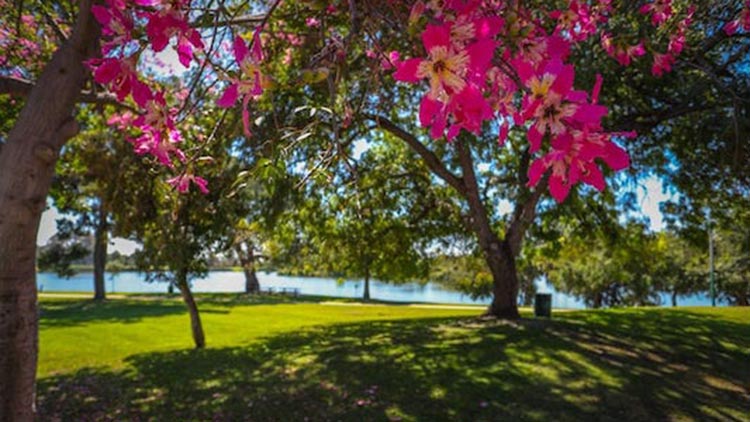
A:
(366, 295)
(100, 253)
(247, 260)
(27, 164)
(195, 319)
(498, 254)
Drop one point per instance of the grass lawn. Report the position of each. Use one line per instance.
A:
(284, 360)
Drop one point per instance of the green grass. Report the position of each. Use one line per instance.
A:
(280, 359)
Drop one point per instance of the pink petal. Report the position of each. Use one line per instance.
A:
(184, 52)
(436, 35)
(257, 46)
(428, 109)
(201, 183)
(535, 138)
(594, 177)
(480, 54)
(141, 92)
(616, 157)
(107, 71)
(558, 188)
(229, 98)
(240, 49)
(536, 170)
(597, 89)
(407, 71)
(101, 14)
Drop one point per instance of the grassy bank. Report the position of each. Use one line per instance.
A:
(278, 359)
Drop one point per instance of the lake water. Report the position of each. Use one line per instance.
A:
(231, 282)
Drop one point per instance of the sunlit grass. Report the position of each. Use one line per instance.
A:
(276, 359)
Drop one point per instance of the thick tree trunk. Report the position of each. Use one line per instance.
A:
(502, 263)
(100, 254)
(27, 164)
(247, 260)
(195, 319)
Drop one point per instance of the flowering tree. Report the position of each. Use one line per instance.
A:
(499, 68)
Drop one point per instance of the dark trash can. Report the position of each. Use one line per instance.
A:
(543, 305)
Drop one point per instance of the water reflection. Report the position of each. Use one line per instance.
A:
(229, 281)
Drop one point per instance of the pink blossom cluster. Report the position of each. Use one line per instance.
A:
(663, 61)
(248, 83)
(165, 21)
(486, 63)
(20, 45)
(493, 64)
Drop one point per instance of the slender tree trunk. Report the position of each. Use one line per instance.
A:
(366, 295)
(27, 164)
(674, 298)
(195, 319)
(247, 260)
(100, 254)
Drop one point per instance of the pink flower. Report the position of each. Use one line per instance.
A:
(572, 160)
(312, 22)
(447, 69)
(249, 84)
(453, 74)
(121, 77)
(660, 10)
(662, 64)
(624, 54)
(168, 22)
(552, 102)
(117, 24)
(182, 183)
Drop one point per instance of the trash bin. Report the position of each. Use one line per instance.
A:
(543, 305)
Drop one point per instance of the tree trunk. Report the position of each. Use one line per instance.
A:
(674, 298)
(195, 319)
(499, 255)
(247, 260)
(27, 164)
(366, 295)
(598, 299)
(502, 264)
(100, 254)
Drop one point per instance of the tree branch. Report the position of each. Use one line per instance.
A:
(523, 215)
(22, 87)
(433, 162)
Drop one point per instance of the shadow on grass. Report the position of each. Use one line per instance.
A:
(71, 312)
(607, 366)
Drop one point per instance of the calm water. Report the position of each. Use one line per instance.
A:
(228, 281)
